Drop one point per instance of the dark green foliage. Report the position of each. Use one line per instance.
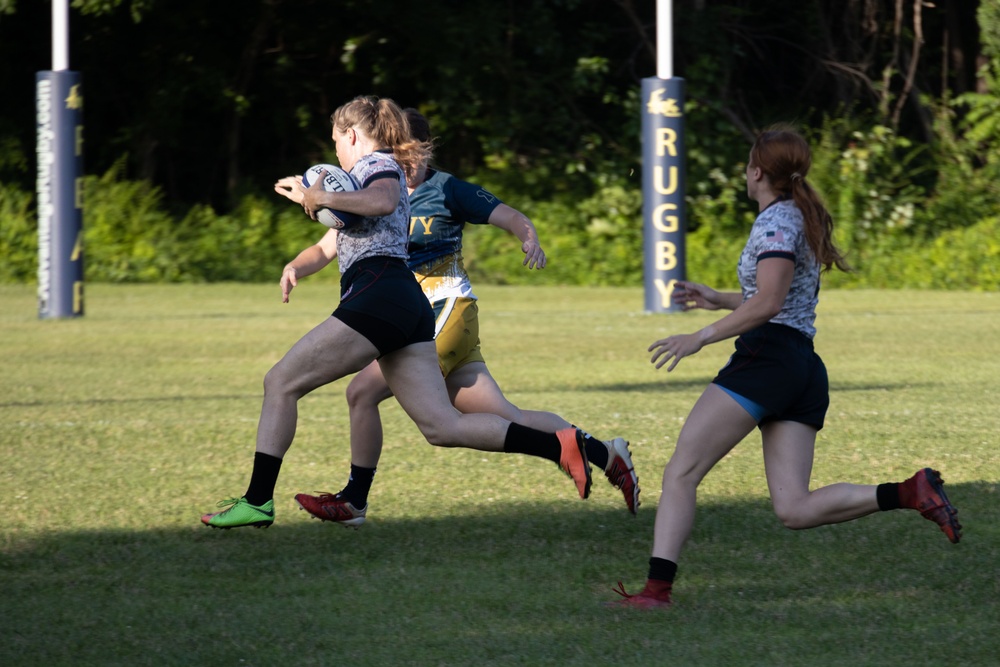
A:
(901, 237)
(193, 110)
(130, 236)
(596, 240)
(962, 258)
(988, 16)
(18, 235)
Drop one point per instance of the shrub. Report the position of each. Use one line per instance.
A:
(964, 258)
(130, 237)
(18, 235)
(596, 240)
(874, 182)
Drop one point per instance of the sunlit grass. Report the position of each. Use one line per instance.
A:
(118, 429)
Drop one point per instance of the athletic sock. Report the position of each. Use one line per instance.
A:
(263, 478)
(887, 496)
(660, 583)
(524, 440)
(597, 451)
(662, 569)
(358, 486)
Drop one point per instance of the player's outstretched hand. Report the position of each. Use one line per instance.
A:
(289, 279)
(690, 295)
(534, 256)
(676, 348)
(290, 187)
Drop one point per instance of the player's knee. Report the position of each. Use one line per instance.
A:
(274, 381)
(359, 393)
(363, 391)
(441, 430)
(436, 435)
(791, 515)
(280, 382)
(438, 440)
(677, 474)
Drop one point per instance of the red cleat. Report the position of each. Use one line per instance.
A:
(331, 507)
(655, 595)
(621, 473)
(925, 492)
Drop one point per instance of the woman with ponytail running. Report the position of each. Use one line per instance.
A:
(382, 314)
(774, 380)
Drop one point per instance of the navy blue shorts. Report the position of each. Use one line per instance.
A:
(381, 300)
(776, 367)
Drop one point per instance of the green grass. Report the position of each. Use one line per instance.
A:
(118, 429)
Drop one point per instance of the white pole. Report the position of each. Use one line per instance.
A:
(664, 40)
(60, 35)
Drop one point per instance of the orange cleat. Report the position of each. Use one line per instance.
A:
(573, 459)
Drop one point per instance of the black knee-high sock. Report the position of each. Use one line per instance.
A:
(263, 479)
(597, 451)
(662, 569)
(358, 486)
(524, 440)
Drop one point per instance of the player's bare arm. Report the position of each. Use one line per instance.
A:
(378, 198)
(309, 261)
(518, 224)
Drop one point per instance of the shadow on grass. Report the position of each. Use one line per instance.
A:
(672, 384)
(511, 584)
(126, 401)
(642, 387)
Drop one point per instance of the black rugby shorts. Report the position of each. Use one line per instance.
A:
(382, 301)
(776, 366)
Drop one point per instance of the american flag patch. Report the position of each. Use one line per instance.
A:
(776, 237)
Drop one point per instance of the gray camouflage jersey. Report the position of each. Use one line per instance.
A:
(779, 232)
(382, 236)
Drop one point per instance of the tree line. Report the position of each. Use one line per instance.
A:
(206, 103)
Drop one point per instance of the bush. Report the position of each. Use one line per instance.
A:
(596, 240)
(875, 183)
(966, 258)
(18, 235)
(128, 236)
(131, 238)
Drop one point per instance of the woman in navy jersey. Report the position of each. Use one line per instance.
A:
(382, 314)
(774, 380)
(440, 207)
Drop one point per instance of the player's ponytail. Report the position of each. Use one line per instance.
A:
(386, 124)
(784, 157)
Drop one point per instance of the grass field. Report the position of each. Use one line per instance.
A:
(118, 429)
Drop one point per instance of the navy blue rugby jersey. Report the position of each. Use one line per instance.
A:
(439, 209)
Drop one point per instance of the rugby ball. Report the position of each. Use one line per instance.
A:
(336, 180)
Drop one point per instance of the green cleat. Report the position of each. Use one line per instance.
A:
(241, 513)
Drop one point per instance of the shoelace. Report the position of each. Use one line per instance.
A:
(621, 591)
(617, 474)
(228, 502)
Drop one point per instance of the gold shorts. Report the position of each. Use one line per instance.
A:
(456, 321)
